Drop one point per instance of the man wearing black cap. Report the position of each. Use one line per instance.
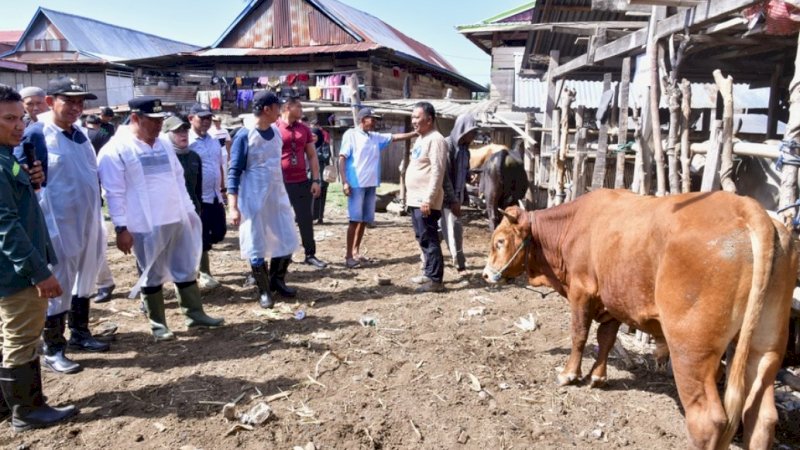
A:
(258, 200)
(26, 281)
(212, 212)
(154, 216)
(106, 120)
(97, 134)
(298, 146)
(360, 171)
(70, 200)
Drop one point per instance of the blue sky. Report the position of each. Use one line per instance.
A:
(201, 22)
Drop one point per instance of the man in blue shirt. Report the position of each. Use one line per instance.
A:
(360, 170)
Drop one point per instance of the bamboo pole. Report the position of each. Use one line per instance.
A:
(686, 152)
(566, 104)
(725, 86)
(601, 163)
(639, 186)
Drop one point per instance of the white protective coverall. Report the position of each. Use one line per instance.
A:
(146, 192)
(70, 202)
(267, 229)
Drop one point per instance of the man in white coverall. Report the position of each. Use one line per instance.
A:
(153, 215)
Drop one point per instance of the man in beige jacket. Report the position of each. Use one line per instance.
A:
(425, 193)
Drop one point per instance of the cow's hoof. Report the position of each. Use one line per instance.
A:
(565, 379)
(597, 382)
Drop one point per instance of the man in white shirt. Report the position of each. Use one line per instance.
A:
(153, 215)
(360, 171)
(221, 134)
(212, 210)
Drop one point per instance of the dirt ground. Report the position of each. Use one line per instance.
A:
(433, 371)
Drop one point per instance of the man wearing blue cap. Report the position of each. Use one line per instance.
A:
(212, 211)
(258, 200)
(70, 200)
(154, 216)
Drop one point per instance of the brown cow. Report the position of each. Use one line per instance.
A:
(693, 270)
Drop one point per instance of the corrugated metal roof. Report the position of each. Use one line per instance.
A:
(365, 28)
(10, 36)
(531, 93)
(105, 41)
(360, 47)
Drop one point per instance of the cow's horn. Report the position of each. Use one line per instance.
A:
(508, 216)
(521, 205)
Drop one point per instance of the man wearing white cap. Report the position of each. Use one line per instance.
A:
(33, 103)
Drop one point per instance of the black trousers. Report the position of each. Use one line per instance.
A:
(426, 230)
(301, 199)
(214, 225)
(319, 203)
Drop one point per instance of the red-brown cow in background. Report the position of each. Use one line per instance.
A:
(694, 270)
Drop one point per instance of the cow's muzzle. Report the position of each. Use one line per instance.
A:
(490, 275)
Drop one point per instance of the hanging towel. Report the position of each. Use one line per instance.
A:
(314, 93)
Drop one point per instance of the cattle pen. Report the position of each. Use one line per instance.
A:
(704, 95)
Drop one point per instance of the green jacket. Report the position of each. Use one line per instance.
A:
(25, 247)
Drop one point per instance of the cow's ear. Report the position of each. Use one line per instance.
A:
(511, 218)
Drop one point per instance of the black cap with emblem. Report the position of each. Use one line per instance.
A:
(148, 106)
(68, 87)
(200, 110)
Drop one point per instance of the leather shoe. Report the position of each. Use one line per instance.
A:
(313, 261)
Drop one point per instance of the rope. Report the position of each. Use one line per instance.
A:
(625, 148)
(498, 274)
(788, 154)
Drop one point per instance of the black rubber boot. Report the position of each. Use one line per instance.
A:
(54, 346)
(277, 276)
(262, 281)
(5, 410)
(22, 390)
(80, 337)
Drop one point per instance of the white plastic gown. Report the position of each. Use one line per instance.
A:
(70, 202)
(146, 192)
(267, 229)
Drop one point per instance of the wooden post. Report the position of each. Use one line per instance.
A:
(774, 96)
(639, 184)
(530, 166)
(579, 162)
(404, 166)
(658, 149)
(673, 92)
(599, 175)
(725, 86)
(622, 123)
(547, 138)
(710, 171)
(686, 152)
(788, 192)
(566, 104)
(555, 124)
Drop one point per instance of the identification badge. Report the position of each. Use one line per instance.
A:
(15, 169)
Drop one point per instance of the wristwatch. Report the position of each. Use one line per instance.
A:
(119, 230)
(316, 181)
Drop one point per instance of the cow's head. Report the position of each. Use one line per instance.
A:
(510, 243)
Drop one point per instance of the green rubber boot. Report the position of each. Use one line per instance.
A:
(154, 306)
(192, 307)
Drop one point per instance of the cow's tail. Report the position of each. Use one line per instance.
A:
(762, 237)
